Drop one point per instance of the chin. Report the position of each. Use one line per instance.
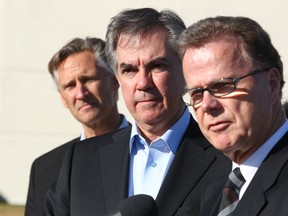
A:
(220, 143)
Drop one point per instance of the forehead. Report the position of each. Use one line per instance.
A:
(82, 63)
(214, 60)
(78, 59)
(149, 45)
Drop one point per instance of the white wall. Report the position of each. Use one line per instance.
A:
(32, 119)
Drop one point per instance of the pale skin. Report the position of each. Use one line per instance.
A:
(90, 93)
(151, 80)
(236, 124)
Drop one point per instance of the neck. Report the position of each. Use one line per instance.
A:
(151, 132)
(107, 125)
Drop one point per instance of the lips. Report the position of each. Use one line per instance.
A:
(218, 126)
(86, 106)
(147, 101)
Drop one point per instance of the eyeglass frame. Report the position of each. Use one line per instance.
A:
(233, 81)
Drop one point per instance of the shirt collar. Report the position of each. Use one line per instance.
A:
(172, 136)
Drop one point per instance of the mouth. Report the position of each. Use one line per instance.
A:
(149, 102)
(218, 126)
(87, 106)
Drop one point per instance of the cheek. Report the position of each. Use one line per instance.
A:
(127, 93)
(163, 84)
(99, 90)
(65, 98)
(243, 113)
(126, 89)
(199, 117)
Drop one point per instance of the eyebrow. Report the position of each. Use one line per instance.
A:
(124, 65)
(157, 60)
(149, 64)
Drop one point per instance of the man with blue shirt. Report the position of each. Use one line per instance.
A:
(163, 154)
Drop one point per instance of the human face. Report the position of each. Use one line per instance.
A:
(87, 90)
(237, 123)
(151, 79)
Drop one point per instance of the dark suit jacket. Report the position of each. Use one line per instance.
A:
(44, 170)
(94, 176)
(266, 195)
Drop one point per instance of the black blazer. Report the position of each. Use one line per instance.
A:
(94, 176)
(44, 171)
(266, 195)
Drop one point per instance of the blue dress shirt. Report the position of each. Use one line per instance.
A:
(149, 164)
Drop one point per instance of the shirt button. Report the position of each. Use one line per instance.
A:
(153, 164)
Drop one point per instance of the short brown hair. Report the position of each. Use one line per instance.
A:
(78, 45)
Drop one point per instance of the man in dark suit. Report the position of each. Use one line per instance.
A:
(234, 79)
(89, 89)
(163, 154)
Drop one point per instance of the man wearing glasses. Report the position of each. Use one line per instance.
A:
(234, 79)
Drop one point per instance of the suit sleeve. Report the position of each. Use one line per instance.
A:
(57, 200)
(30, 202)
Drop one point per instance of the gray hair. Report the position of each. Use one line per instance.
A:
(140, 23)
(75, 46)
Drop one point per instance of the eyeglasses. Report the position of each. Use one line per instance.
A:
(218, 88)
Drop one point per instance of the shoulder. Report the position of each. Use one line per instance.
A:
(55, 154)
(105, 139)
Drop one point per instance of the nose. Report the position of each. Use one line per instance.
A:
(209, 102)
(81, 91)
(145, 80)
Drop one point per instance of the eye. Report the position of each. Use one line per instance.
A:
(128, 71)
(197, 95)
(89, 79)
(196, 91)
(158, 67)
(68, 86)
(220, 88)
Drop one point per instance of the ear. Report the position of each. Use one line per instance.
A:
(275, 83)
(115, 83)
(118, 79)
(115, 86)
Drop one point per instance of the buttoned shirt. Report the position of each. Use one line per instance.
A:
(149, 163)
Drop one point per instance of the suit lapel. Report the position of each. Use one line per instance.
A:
(261, 183)
(189, 165)
(114, 159)
(212, 197)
